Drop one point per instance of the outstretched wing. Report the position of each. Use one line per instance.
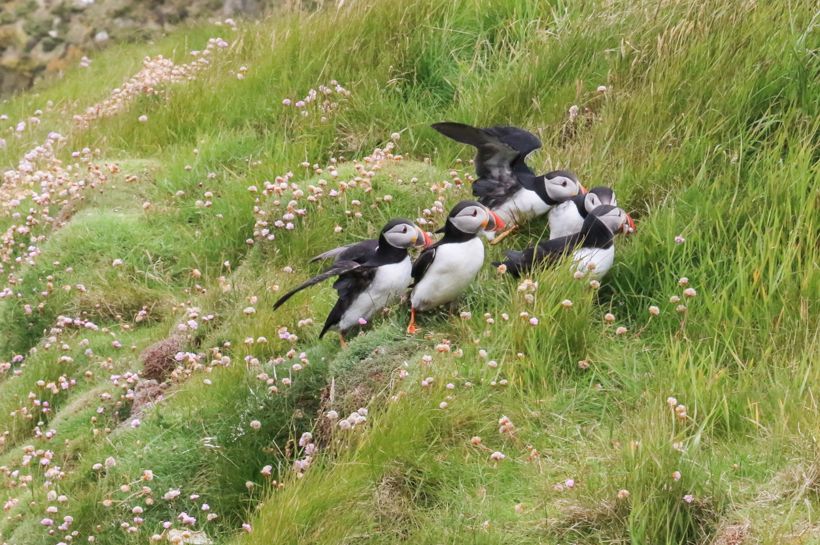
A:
(500, 149)
(500, 160)
(338, 268)
(359, 252)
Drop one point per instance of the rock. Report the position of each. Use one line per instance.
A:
(41, 37)
(189, 537)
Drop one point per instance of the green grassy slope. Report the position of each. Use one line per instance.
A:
(707, 129)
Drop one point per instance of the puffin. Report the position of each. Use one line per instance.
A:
(568, 217)
(505, 184)
(592, 249)
(444, 270)
(369, 275)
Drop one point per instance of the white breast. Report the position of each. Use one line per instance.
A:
(523, 206)
(595, 261)
(565, 220)
(389, 282)
(453, 269)
(520, 208)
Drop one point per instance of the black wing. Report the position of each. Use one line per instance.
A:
(349, 286)
(359, 252)
(546, 252)
(338, 268)
(500, 160)
(422, 263)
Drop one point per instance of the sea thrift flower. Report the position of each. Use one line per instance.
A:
(601, 89)
(688, 498)
(566, 303)
(676, 475)
(654, 311)
(569, 483)
(475, 440)
(609, 317)
(623, 494)
(679, 239)
(620, 330)
(689, 292)
(497, 456)
(143, 118)
(171, 494)
(256, 425)
(533, 321)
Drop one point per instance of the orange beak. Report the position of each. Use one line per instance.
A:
(498, 223)
(427, 239)
(422, 239)
(629, 226)
(584, 190)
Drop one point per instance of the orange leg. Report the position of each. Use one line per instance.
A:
(342, 341)
(502, 236)
(412, 329)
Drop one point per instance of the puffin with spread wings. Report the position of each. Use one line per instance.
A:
(505, 184)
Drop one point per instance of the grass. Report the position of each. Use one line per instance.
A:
(707, 130)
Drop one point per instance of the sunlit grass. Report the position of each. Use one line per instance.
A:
(707, 130)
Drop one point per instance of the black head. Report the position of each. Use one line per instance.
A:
(468, 218)
(606, 221)
(598, 196)
(402, 233)
(555, 187)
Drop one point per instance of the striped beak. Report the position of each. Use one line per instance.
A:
(629, 226)
(494, 222)
(423, 239)
(583, 190)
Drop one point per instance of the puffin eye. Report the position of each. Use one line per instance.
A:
(404, 230)
(475, 212)
(564, 183)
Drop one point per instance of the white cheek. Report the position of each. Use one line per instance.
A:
(467, 224)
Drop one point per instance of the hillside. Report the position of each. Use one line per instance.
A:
(153, 209)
